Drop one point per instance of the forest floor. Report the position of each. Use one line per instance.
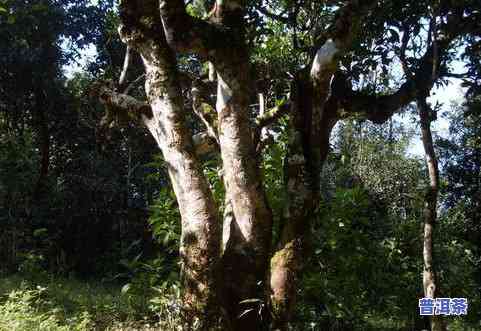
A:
(61, 304)
(46, 303)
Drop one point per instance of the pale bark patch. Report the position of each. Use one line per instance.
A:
(224, 94)
(324, 57)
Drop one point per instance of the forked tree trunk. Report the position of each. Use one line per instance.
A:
(430, 285)
(158, 30)
(312, 125)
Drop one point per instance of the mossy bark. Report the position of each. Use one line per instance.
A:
(311, 122)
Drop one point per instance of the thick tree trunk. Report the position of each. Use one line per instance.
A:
(430, 285)
(287, 260)
(305, 163)
(200, 237)
(247, 235)
(312, 121)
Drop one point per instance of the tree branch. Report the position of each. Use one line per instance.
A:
(185, 33)
(129, 108)
(379, 109)
(123, 74)
(203, 109)
(119, 104)
(456, 75)
(133, 83)
(272, 115)
(339, 36)
(402, 52)
(266, 119)
(204, 144)
(140, 23)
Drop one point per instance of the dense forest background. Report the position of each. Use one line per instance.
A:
(89, 224)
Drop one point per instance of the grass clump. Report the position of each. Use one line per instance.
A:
(61, 304)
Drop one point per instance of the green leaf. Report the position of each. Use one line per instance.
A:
(40, 232)
(125, 288)
(250, 301)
